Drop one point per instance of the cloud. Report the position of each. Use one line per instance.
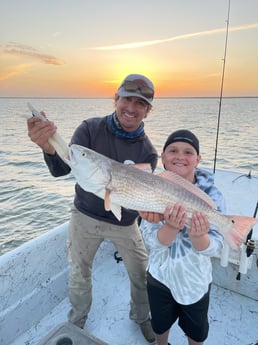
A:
(18, 49)
(134, 45)
(14, 71)
(12, 44)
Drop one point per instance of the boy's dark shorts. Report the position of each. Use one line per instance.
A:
(192, 318)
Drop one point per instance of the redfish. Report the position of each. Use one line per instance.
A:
(121, 185)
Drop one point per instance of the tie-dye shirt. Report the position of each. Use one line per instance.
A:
(184, 270)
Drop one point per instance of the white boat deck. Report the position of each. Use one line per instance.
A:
(34, 278)
(233, 317)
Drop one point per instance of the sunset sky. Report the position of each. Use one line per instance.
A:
(83, 48)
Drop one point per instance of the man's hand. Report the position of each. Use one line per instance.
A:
(152, 217)
(40, 131)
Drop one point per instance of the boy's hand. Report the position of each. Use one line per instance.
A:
(175, 217)
(199, 225)
(198, 232)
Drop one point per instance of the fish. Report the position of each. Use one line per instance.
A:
(127, 186)
(135, 187)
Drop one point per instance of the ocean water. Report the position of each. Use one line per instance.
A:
(33, 202)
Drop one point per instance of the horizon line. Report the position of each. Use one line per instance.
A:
(161, 97)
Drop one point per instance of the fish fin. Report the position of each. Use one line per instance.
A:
(107, 200)
(241, 227)
(182, 182)
(115, 209)
(142, 166)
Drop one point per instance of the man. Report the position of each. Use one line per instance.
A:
(119, 136)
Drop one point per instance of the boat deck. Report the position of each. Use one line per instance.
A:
(233, 317)
(34, 291)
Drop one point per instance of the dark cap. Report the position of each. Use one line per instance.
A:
(185, 136)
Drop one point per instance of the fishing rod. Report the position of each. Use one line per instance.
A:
(250, 245)
(221, 88)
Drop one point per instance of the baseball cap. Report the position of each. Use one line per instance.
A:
(137, 85)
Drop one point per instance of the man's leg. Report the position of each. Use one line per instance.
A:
(130, 245)
(84, 241)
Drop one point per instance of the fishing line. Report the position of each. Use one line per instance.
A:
(221, 88)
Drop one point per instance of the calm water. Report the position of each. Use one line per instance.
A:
(33, 202)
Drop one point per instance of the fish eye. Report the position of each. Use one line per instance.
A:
(84, 154)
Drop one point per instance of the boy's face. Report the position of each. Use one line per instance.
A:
(181, 158)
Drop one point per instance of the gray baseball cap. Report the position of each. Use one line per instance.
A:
(137, 85)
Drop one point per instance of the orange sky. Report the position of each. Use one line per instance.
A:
(77, 50)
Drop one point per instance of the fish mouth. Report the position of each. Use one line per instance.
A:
(71, 159)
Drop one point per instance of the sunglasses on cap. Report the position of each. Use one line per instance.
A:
(132, 86)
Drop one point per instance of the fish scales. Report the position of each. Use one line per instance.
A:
(153, 193)
(121, 185)
(135, 189)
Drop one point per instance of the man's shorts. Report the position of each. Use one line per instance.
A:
(192, 318)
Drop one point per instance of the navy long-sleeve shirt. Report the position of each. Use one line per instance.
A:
(97, 134)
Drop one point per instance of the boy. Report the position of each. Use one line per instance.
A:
(179, 272)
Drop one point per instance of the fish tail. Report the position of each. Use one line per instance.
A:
(241, 226)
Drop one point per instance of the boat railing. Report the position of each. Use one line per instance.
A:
(34, 279)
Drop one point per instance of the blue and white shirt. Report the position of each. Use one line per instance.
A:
(179, 266)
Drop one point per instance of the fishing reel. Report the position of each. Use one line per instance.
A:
(250, 247)
(247, 250)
